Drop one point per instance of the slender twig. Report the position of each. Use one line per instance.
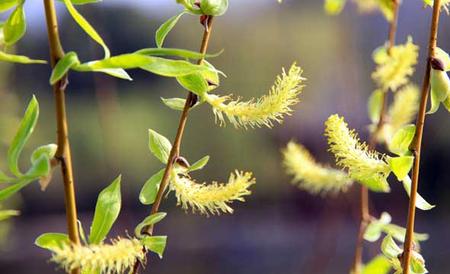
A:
(175, 151)
(365, 216)
(416, 146)
(63, 155)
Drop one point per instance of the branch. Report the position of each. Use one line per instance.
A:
(417, 143)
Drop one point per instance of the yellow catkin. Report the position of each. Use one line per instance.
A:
(402, 111)
(263, 111)
(310, 175)
(393, 70)
(386, 7)
(211, 198)
(362, 164)
(117, 257)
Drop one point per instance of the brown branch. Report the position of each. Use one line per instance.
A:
(416, 146)
(365, 216)
(63, 155)
(175, 151)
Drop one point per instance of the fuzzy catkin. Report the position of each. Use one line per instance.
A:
(265, 110)
(310, 175)
(211, 198)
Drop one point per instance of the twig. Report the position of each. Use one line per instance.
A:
(175, 152)
(63, 155)
(365, 215)
(416, 146)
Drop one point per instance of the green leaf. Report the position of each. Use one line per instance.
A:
(182, 53)
(8, 213)
(106, 212)
(63, 66)
(375, 183)
(40, 168)
(334, 7)
(51, 241)
(156, 244)
(84, 24)
(23, 134)
(194, 82)
(150, 189)
(447, 103)
(159, 146)
(434, 102)
(378, 265)
(4, 178)
(47, 150)
(375, 227)
(199, 164)
(15, 27)
(7, 4)
(389, 248)
(6, 57)
(375, 105)
(421, 203)
(165, 28)
(402, 140)
(150, 220)
(417, 263)
(401, 166)
(81, 232)
(398, 233)
(156, 65)
(174, 103)
(7, 192)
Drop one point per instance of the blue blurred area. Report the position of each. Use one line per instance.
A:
(280, 229)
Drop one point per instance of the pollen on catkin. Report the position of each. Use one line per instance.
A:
(394, 69)
(363, 165)
(265, 110)
(310, 175)
(117, 257)
(211, 198)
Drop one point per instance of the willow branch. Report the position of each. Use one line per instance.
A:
(365, 215)
(63, 155)
(417, 143)
(175, 151)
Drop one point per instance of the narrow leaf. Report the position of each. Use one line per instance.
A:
(7, 4)
(402, 139)
(15, 27)
(182, 53)
(199, 164)
(51, 241)
(47, 150)
(40, 168)
(23, 134)
(165, 28)
(8, 213)
(159, 146)
(68, 61)
(84, 24)
(150, 220)
(150, 189)
(421, 203)
(389, 248)
(194, 82)
(5, 193)
(12, 58)
(174, 103)
(401, 166)
(156, 244)
(375, 105)
(106, 212)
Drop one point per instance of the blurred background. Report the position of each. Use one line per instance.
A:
(279, 229)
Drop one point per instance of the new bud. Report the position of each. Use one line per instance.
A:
(213, 7)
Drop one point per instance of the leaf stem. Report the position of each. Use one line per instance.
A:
(175, 151)
(365, 216)
(63, 155)
(416, 146)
